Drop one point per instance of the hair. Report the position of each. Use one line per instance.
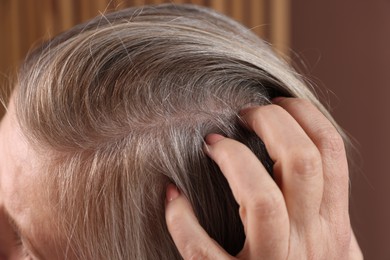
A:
(121, 105)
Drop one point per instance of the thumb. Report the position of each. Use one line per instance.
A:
(190, 238)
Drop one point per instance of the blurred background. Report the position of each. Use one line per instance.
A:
(342, 47)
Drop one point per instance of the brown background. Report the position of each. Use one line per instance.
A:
(346, 45)
(342, 46)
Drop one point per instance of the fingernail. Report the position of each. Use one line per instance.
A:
(172, 192)
(277, 100)
(213, 138)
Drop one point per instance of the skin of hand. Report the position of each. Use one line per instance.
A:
(302, 213)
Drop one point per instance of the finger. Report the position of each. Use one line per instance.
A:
(190, 238)
(297, 161)
(331, 146)
(262, 207)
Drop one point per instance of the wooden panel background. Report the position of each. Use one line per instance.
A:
(24, 23)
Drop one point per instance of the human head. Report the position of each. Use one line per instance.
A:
(118, 107)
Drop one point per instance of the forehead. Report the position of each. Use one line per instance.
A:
(19, 191)
(14, 153)
(15, 168)
(17, 159)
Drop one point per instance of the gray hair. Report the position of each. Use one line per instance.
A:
(123, 103)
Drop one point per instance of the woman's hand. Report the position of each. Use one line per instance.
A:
(303, 214)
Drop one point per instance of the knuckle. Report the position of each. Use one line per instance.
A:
(330, 141)
(306, 161)
(267, 205)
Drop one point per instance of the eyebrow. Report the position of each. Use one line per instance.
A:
(26, 240)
